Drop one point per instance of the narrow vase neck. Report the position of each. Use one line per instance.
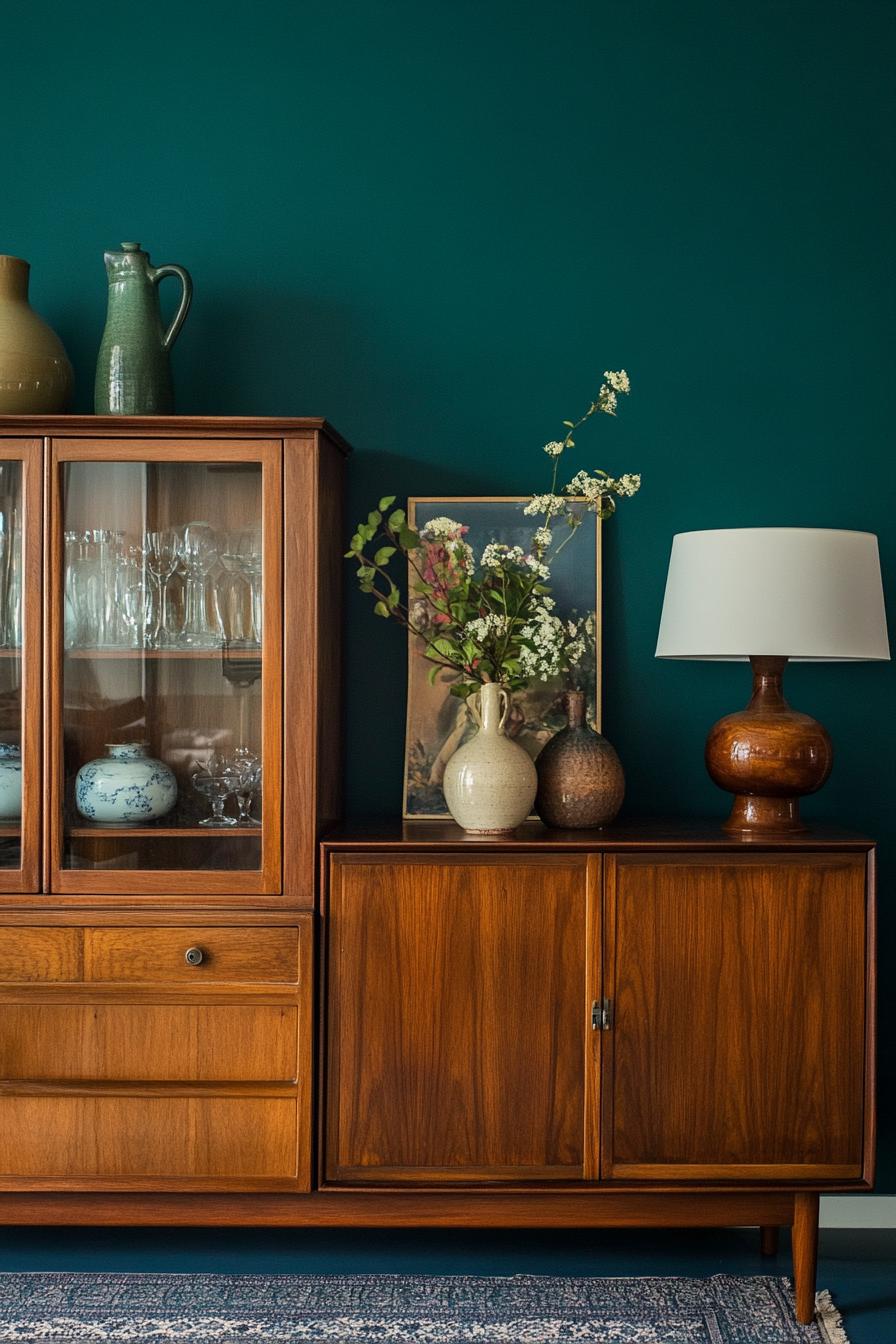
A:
(14, 278)
(491, 706)
(575, 708)
(768, 680)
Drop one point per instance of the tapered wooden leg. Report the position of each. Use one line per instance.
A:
(805, 1255)
(768, 1240)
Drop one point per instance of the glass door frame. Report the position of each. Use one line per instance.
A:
(169, 885)
(26, 878)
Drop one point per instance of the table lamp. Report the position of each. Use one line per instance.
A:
(768, 594)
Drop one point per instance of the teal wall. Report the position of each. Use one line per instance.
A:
(437, 223)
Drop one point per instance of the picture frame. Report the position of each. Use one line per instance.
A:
(437, 723)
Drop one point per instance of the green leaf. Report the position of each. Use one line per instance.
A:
(386, 501)
(366, 586)
(366, 572)
(349, 555)
(569, 424)
(374, 518)
(392, 599)
(433, 673)
(396, 520)
(383, 554)
(421, 587)
(381, 609)
(445, 648)
(408, 538)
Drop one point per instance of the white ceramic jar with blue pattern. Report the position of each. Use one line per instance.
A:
(10, 782)
(125, 786)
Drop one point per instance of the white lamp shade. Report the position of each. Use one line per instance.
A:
(806, 593)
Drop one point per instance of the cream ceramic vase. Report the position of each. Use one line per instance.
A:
(35, 375)
(490, 782)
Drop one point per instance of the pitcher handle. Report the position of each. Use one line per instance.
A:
(186, 299)
(504, 698)
(473, 707)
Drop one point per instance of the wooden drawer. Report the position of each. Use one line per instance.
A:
(35, 954)
(148, 955)
(111, 1042)
(70, 1140)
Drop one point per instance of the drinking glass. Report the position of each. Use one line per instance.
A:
(250, 560)
(199, 551)
(236, 591)
(161, 554)
(246, 768)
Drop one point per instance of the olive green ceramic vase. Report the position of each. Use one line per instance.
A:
(133, 372)
(35, 375)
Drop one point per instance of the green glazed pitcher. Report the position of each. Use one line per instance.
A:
(133, 372)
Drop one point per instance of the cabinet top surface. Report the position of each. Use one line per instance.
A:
(627, 834)
(117, 426)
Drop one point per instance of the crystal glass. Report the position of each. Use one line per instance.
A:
(246, 768)
(249, 556)
(199, 552)
(160, 549)
(216, 783)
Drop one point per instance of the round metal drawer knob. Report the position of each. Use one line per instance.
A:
(194, 956)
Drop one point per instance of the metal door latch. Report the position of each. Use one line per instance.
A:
(601, 1014)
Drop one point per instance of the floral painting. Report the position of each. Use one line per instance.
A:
(437, 721)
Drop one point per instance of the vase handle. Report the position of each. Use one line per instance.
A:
(473, 707)
(504, 697)
(183, 307)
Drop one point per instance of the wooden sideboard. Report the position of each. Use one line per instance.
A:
(652, 1024)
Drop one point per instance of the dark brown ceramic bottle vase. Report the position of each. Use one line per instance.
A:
(580, 778)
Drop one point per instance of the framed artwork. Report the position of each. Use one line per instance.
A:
(438, 722)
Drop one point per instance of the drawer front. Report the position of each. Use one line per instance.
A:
(149, 955)
(133, 1140)
(148, 1043)
(37, 954)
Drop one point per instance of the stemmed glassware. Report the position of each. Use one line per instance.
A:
(161, 555)
(199, 552)
(247, 768)
(107, 577)
(216, 783)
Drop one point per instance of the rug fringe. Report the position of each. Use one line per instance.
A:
(829, 1320)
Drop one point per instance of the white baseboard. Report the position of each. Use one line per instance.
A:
(858, 1211)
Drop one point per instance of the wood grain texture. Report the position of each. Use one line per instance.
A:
(158, 954)
(459, 1042)
(148, 1042)
(26, 876)
(768, 755)
(70, 1140)
(590, 1207)
(29, 954)
(805, 1255)
(170, 426)
(738, 1041)
(627, 833)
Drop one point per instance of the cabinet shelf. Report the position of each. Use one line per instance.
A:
(150, 832)
(159, 655)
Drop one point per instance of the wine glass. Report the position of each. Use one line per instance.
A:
(198, 549)
(250, 561)
(161, 554)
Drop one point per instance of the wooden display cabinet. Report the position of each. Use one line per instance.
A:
(172, 582)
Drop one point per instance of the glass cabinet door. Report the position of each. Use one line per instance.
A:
(20, 619)
(165, 668)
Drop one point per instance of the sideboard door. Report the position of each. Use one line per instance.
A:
(737, 1046)
(459, 999)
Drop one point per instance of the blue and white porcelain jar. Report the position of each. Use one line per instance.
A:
(125, 786)
(10, 782)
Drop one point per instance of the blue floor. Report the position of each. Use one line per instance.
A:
(858, 1267)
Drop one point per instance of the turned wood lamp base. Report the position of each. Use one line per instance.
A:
(768, 755)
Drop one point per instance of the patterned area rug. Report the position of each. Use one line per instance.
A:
(393, 1309)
